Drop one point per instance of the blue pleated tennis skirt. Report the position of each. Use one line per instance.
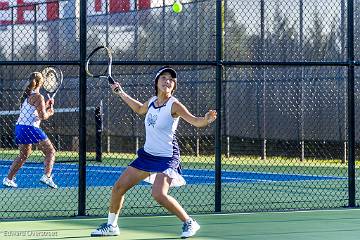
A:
(169, 166)
(150, 163)
(25, 134)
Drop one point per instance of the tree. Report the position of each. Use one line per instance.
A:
(237, 42)
(281, 42)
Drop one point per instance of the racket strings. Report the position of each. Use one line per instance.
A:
(51, 80)
(99, 62)
(96, 68)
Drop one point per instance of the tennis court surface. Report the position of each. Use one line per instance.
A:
(66, 175)
(332, 224)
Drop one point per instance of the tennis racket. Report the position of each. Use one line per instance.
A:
(99, 64)
(53, 78)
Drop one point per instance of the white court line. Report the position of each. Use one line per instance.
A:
(231, 171)
(72, 171)
(91, 218)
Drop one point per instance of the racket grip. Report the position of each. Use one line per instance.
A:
(49, 97)
(111, 80)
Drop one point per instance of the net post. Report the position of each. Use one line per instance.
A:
(98, 131)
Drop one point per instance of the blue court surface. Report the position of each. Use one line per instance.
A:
(66, 175)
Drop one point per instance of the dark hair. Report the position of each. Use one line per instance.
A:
(165, 69)
(35, 79)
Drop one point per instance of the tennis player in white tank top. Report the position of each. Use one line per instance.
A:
(159, 161)
(33, 109)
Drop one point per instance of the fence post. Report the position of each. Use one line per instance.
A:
(219, 71)
(82, 108)
(351, 105)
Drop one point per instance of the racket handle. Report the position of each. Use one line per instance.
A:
(49, 97)
(111, 80)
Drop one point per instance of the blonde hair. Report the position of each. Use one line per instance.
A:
(35, 80)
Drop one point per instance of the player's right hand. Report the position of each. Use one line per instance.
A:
(51, 111)
(116, 88)
(50, 102)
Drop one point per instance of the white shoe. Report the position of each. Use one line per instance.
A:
(189, 228)
(48, 181)
(106, 230)
(9, 183)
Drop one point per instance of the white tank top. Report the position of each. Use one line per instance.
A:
(160, 129)
(28, 115)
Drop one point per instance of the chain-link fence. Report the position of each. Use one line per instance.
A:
(279, 73)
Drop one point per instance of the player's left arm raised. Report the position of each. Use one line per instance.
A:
(179, 110)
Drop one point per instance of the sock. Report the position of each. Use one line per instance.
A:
(112, 219)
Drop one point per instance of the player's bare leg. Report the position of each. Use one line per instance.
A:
(49, 151)
(160, 194)
(129, 178)
(25, 151)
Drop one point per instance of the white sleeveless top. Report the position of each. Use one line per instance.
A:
(28, 115)
(160, 129)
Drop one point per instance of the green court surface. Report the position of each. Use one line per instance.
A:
(324, 224)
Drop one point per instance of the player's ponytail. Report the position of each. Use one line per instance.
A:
(35, 79)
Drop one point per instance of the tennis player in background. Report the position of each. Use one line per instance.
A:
(158, 162)
(33, 109)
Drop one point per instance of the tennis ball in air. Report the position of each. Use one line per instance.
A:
(177, 7)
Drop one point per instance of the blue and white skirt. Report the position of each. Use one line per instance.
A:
(25, 134)
(170, 166)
